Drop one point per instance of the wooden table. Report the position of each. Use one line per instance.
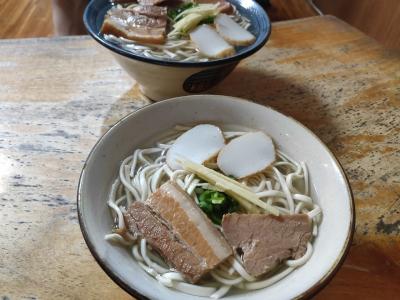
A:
(57, 96)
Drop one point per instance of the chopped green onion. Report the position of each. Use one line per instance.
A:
(215, 204)
(174, 12)
(208, 20)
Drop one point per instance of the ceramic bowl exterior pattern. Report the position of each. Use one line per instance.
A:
(160, 82)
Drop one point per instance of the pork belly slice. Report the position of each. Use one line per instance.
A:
(121, 1)
(189, 223)
(151, 11)
(143, 221)
(264, 241)
(132, 19)
(134, 26)
(150, 2)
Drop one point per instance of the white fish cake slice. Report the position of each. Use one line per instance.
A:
(210, 43)
(232, 32)
(246, 155)
(198, 144)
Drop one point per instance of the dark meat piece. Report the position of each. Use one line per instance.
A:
(151, 11)
(130, 223)
(131, 25)
(161, 237)
(189, 222)
(122, 1)
(179, 231)
(264, 241)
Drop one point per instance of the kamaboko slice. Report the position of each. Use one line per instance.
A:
(246, 155)
(198, 144)
(232, 32)
(210, 43)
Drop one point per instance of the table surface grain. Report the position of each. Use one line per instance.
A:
(58, 95)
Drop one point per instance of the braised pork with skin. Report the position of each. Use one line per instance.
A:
(134, 25)
(179, 231)
(151, 11)
(143, 221)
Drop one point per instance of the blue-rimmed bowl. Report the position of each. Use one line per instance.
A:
(160, 79)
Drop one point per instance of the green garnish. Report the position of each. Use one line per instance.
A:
(247, 199)
(187, 17)
(215, 204)
(174, 12)
(208, 20)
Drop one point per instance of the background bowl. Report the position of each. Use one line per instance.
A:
(160, 79)
(327, 182)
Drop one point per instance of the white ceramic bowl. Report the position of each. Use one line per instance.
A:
(160, 79)
(328, 186)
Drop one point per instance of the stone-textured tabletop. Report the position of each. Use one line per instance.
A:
(58, 95)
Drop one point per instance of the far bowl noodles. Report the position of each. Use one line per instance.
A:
(284, 186)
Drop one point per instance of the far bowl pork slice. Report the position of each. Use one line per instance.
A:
(264, 241)
(150, 2)
(134, 26)
(151, 11)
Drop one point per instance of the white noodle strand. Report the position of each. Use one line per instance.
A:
(302, 260)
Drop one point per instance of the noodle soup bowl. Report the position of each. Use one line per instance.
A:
(141, 129)
(160, 78)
